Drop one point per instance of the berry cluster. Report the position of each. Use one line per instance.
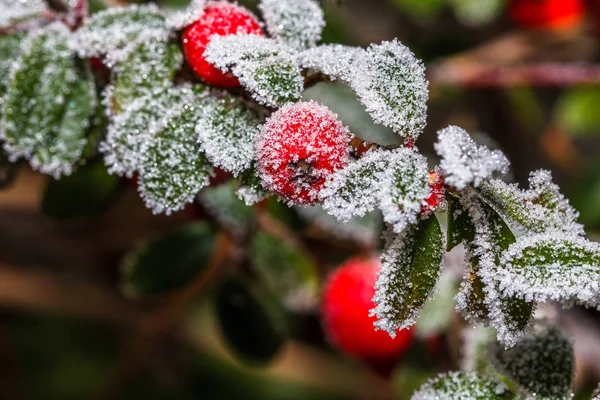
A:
(547, 14)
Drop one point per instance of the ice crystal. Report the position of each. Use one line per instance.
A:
(463, 386)
(552, 267)
(297, 23)
(263, 67)
(14, 11)
(222, 203)
(333, 60)
(390, 81)
(541, 363)
(463, 162)
(541, 208)
(114, 28)
(226, 134)
(410, 267)
(181, 18)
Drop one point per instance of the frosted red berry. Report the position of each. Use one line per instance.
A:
(436, 196)
(300, 145)
(346, 302)
(220, 19)
(547, 14)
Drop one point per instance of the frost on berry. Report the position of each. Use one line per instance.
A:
(181, 18)
(14, 11)
(297, 23)
(251, 189)
(390, 81)
(114, 28)
(541, 363)
(552, 267)
(410, 267)
(463, 162)
(226, 134)
(263, 66)
(463, 386)
(299, 146)
(47, 104)
(540, 209)
(222, 204)
(333, 60)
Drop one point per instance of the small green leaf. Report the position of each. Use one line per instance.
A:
(576, 111)
(460, 226)
(541, 363)
(247, 323)
(15, 11)
(250, 189)
(85, 193)
(168, 262)
(461, 386)
(285, 271)
(231, 212)
(297, 23)
(410, 268)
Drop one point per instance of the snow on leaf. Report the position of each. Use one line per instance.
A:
(540, 209)
(222, 203)
(552, 267)
(10, 48)
(14, 11)
(250, 188)
(263, 67)
(140, 68)
(463, 162)
(463, 386)
(390, 81)
(333, 60)
(541, 363)
(410, 267)
(114, 28)
(181, 18)
(226, 134)
(297, 23)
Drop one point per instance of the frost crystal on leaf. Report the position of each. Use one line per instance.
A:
(333, 60)
(410, 267)
(463, 386)
(540, 209)
(250, 189)
(10, 48)
(463, 162)
(263, 66)
(114, 28)
(541, 363)
(390, 81)
(297, 23)
(14, 11)
(182, 18)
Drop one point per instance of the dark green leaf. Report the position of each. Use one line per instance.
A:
(460, 226)
(462, 386)
(232, 213)
(250, 189)
(168, 262)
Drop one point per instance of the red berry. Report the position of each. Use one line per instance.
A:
(547, 14)
(436, 197)
(301, 145)
(221, 19)
(347, 300)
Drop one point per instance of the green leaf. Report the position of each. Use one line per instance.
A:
(231, 212)
(168, 262)
(437, 314)
(463, 385)
(85, 193)
(541, 363)
(421, 9)
(144, 67)
(250, 189)
(477, 12)
(114, 28)
(576, 111)
(552, 267)
(10, 48)
(411, 266)
(285, 271)
(460, 226)
(15, 11)
(297, 23)
(248, 324)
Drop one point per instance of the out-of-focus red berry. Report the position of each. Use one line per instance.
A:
(346, 302)
(436, 197)
(547, 14)
(218, 19)
(300, 145)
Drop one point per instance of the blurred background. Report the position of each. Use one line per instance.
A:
(100, 299)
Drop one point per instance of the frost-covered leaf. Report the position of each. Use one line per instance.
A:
(463, 162)
(263, 67)
(10, 48)
(552, 267)
(297, 23)
(48, 103)
(333, 60)
(114, 28)
(173, 168)
(250, 188)
(540, 209)
(437, 314)
(463, 386)
(179, 19)
(222, 203)
(460, 227)
(390, 81)
(226, 134)
(141, 68)
(541, 363)
(410, 267)
(285, 271)
(14, 11)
